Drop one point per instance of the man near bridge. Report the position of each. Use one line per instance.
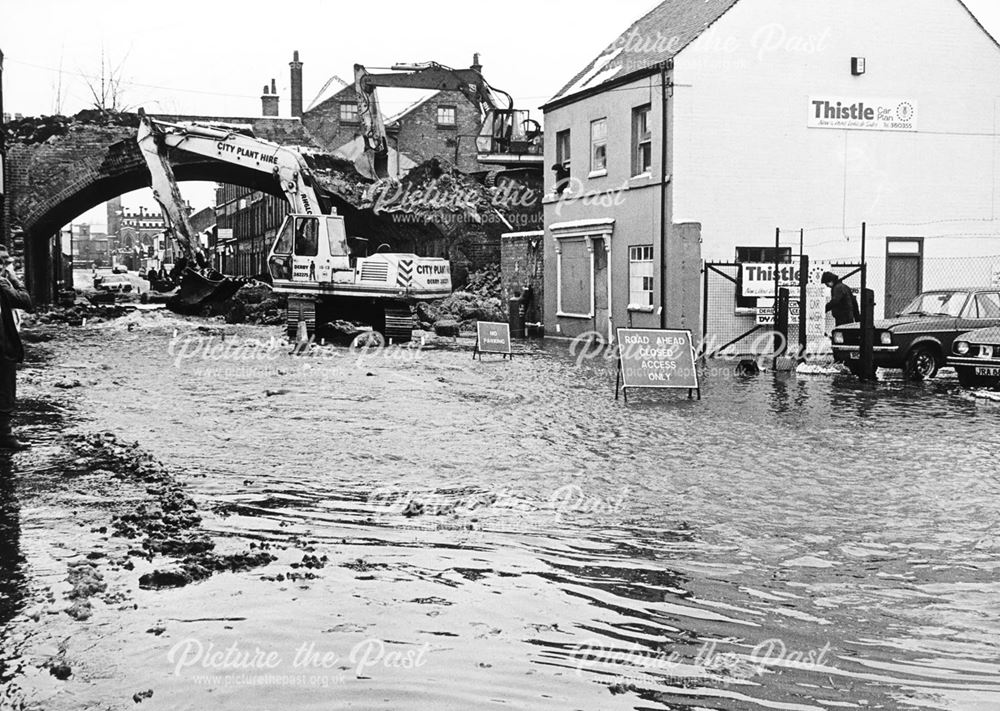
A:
(843, 306)
(12, 296)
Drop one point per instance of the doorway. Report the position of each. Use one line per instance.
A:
(601, 306)
(904, 272)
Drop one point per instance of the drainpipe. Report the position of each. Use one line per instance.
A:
(663, 193)
(3, 153)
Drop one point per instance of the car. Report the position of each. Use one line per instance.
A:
(975, 356)
(919, 339)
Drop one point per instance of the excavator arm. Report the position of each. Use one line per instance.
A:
(201, 285)
(428, 75)
(219, 143)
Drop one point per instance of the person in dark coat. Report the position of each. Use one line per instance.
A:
(12, 296)
(842, 305)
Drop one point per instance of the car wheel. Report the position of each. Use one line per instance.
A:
(923, 363)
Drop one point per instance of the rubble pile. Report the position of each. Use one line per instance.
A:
(479, 301)
(34, 130)
(436, 192)
(76, 315)
(339, 177)
(254, 304)
(166, 523)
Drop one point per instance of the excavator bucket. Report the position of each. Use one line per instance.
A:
(199, 290)
(199, 287)
(374, 166)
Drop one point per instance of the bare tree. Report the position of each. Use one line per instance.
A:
(106, 88)
(57, 88)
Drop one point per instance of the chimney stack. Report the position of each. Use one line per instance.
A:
(475, 63)
(269, 100)
(296, 67)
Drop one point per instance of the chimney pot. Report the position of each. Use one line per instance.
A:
(269, 100)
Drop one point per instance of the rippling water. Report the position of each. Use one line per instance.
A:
(506, 534)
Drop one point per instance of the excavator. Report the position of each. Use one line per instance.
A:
(508, 137)
(310, 260)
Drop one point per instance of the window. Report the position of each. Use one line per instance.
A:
(284, 243)
(337, 237)
(562, 161)
(348, 112)
(762, 255)
(599, 145)
(642, 141)
(563, 152)
(988, 305)
(446, 116)
(640, 277)
(756, 255)
(306, 237)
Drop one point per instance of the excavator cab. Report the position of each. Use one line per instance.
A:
(509, 132)
(311, 249)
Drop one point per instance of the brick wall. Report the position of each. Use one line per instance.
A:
(416, 134)
(521, 263)
(324, 123)
(422, 138)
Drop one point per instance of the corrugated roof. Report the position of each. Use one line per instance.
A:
(658, 36)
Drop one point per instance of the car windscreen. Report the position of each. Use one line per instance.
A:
(937, 303)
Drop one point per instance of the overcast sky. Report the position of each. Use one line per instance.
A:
(214, 57)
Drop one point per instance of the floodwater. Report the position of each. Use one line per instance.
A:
(455, 534)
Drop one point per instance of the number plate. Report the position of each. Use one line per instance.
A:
(989, 372)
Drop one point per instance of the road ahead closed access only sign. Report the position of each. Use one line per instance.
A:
(657, 359)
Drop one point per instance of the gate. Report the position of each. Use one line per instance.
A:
(734, 328)
(729, 324)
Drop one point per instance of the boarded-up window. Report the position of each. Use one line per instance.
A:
(575, 286)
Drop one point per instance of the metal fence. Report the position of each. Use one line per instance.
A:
(897, 279)
(736, 326)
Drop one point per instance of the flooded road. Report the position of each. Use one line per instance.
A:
(458, 534)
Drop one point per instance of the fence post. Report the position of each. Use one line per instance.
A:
(867, 330)
(704, 320)
(779, 343)
(803, 300)
(867, 314)
(781, 324)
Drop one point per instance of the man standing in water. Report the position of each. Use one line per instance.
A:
(12, 296)
(843, 306)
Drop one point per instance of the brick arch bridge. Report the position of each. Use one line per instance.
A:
(58, 168)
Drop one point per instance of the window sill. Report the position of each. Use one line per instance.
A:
(641, 309)
(598, 173)
(641, 177)
(582, 317)
(447, 126)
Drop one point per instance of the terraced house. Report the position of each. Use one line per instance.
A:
(707, 126)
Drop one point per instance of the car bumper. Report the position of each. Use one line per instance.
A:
(884, 356)
(956, 362)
